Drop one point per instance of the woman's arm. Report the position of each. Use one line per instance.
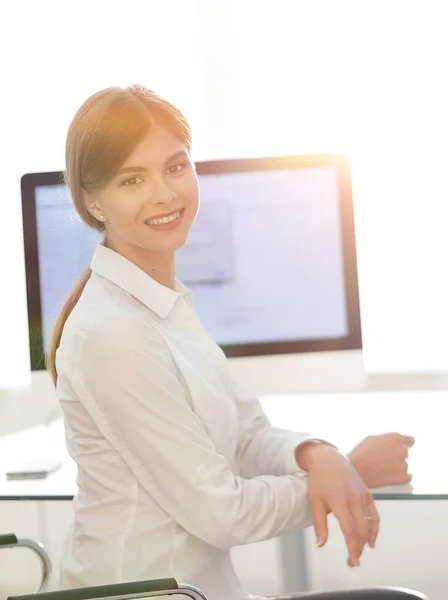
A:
(262, 448)
(130, 386)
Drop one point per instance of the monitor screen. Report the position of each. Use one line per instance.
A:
(270, 258)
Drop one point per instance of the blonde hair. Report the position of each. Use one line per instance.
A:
(103, 133)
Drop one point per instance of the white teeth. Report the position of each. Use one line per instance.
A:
(164, 219)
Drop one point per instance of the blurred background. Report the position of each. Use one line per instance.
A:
(259, 78)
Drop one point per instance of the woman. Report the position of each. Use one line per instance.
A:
(174, 466)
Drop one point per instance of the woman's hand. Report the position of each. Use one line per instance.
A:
(382, 459)
(335, 486)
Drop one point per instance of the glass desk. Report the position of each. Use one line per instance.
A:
(343, 419)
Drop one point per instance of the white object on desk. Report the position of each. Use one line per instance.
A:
(38, 443)
(32, 469)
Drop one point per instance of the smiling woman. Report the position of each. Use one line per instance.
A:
(175, 465)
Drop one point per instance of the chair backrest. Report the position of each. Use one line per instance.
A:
(9, 540)
(374, 593)
(121, 591)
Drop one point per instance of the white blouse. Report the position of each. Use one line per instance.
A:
(175, 466)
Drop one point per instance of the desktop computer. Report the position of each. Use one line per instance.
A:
(270, 260)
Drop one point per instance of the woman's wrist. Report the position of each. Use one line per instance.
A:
(309, 451)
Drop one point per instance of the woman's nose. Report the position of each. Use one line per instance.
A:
(166, 198)
(161, 192)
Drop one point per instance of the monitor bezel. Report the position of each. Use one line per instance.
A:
(351, 341)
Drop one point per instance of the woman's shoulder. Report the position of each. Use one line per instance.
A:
(101, 324)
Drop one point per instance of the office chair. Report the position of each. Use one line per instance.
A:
(10, 540)
(168, 587)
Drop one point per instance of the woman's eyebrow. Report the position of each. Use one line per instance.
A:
(179, 154)
(135, 169)
(138, 169)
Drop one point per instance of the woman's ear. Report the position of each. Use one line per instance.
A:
(93, 205)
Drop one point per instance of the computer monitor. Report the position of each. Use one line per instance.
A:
(270, 259)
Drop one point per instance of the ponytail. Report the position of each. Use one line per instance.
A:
(64, 314)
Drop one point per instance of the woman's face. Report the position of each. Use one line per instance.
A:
(152, 201)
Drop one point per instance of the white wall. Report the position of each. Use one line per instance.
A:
(258, 77)
(367, 78)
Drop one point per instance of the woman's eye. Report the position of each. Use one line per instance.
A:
(176, 168)
(132, 181)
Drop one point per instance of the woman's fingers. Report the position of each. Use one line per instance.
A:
(350, 529)
(335, 486)
(319, 514)
(366, 516)
(408, 440)
(359, 522)
(358, 508)
(373, 520)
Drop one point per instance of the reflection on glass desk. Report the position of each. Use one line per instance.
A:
(343, 419)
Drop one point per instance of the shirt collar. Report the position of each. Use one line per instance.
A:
(129, 277)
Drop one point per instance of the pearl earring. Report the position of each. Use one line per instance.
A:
(102, 217)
